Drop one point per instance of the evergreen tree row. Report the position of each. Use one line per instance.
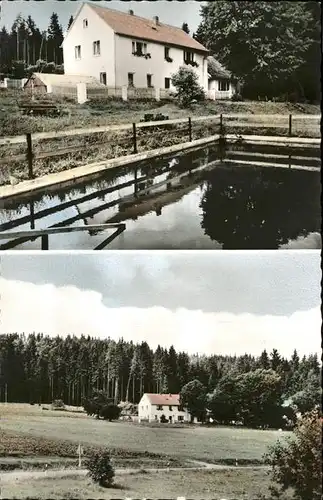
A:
(39, 368)
(25, 45)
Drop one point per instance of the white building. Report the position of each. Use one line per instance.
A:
(221, 82)
(152, 406)
(122, 49)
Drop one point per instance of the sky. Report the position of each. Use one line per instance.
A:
(200, 302)
(170, 12)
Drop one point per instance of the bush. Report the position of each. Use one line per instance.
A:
(58, 404)
(100, 469)
(163, 419)
(188, 89)
(110, 412)
(297, 463)
(236, 97)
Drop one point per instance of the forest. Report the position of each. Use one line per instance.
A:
(40, 369)
(25, 48)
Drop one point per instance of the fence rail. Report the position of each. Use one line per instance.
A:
(262, 121)
(44, 233)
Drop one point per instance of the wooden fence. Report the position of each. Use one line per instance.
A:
(287, 122)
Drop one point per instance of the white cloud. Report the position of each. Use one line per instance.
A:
(26, 307)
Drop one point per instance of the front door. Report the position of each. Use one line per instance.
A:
(103, 78)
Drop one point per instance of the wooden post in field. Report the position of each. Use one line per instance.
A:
(134, 137)
(80, 453)
(290, 125)
(221, 124)
(136, 182)
(190, 129)
(29, 156)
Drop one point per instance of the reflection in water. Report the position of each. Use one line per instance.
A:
(248, 208)
(222, 207)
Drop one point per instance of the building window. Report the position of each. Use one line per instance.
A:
(180, 418)
(103, 78)
(139, 48)
(170, 408)
(96, 48)
(167, 83)
(77, 51)
(180, 408)
(159, 407)
(149, 81)
(85, 23)
(188, 56)
(156, 418)
(166, 55)
(130, 80)
(223, 85)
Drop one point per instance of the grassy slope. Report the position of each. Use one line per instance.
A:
(243, 484)
(108, 112)
(210, 444)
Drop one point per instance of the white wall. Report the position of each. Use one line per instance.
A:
(148, 411)
(157, 66)
(90, 64)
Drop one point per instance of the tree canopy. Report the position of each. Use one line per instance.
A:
(269, 46)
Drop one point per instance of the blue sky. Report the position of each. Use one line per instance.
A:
(169, 12)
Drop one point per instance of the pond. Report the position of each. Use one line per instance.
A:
(193, 201)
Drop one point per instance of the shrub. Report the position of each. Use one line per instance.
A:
(110, 412)
(100, 468)
(163, 419)
(58, 404)
(297, 463)
(188, 89)
(236, 97)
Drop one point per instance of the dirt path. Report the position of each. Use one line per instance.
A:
(12, 476)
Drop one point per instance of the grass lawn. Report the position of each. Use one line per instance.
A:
(213, 444)
(232, 484)
(102, 146)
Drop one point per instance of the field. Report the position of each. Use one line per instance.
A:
(31, 437)
(211, 444)
(248, 484)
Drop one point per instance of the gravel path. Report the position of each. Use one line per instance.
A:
(12, 476)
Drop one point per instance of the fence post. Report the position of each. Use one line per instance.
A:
(135, 150)
(124, 91)
(44, 242)
(221, 124)
(290, 125)
(190, 129)
(30, 157)
(157, 94)
(81, 93)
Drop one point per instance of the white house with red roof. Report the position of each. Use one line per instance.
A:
(151, 407)
(124, 50)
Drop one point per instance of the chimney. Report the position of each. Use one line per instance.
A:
(156, 20)
(131, 12)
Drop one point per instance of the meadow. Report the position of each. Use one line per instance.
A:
(210, 444)
(248, 484)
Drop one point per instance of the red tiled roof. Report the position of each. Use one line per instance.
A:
(163, 399)
(142, 28)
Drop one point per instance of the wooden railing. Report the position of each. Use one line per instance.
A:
(240, 121)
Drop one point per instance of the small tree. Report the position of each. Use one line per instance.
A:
(297, 463)
(110, 412)
(100, 469)
(193, 397)
(187, 86)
